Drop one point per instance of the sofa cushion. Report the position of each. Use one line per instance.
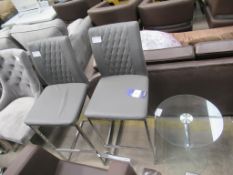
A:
(169, 55)
(157, 40)
(32, 32)
(214, 49)
(12, 126)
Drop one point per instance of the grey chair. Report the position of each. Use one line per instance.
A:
(19, 88)
(122, 92)
(60, 104)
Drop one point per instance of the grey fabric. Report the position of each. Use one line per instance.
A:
(112, 101)
(56, 63)
(32, 32)
(119, 49)
(16, 76)
(58, 105)
(12, 126)
(6, 41)
(19, 86)
(80, 42)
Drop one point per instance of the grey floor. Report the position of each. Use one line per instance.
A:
(216, 158)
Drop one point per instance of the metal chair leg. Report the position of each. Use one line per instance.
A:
(149, 139)
(37, 131)
(97, 131)
(89, 142)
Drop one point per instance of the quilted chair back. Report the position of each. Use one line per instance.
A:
(117, 49)
(16, 76)
(55, 62)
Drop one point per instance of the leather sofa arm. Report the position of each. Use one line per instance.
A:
(71, 10)
(149, 11)
(167, 55)
(214, 49)
(102, 13)
(120, 168)
(33, 157)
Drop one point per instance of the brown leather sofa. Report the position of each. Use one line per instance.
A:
(169, 16)
(219, 12)
(205, 69)
(34, 160)
(104, 13)
(73, 9)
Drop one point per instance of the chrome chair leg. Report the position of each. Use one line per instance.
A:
(149, 139)
(97, 131)
(89, 143)
(39, 133)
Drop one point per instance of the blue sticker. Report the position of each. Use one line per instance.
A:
(137, 93)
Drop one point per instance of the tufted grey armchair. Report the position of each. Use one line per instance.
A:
(20, 87)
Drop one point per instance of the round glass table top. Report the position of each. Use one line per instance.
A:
(188, 121)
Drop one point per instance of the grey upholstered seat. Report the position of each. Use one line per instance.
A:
(118, 52)
(55, 62)
(67, 99)
(20, 87)
(122, 106)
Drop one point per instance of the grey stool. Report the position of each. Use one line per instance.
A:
(122, 93)
(59, 105)
(55, 62)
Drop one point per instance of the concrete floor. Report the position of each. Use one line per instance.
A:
(213, 159)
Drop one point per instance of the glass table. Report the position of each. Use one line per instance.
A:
(188, 122)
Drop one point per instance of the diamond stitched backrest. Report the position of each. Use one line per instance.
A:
(55, 62)
(17, 76)
(117, 49)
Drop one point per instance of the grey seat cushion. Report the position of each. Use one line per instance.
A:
(33, 32)
(58, 105)
(12, 126)
(111, 99)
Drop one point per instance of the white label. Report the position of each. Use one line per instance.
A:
(17, 58)
(188, 173)
(36, 54)
(136, 93)
(158, 112)
(96, 39)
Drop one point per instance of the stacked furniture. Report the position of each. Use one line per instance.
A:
(21, 35)
(169, 16)
(204, 69)
(219, 12)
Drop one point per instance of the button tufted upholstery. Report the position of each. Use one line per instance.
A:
(56, 61)
(16, 76)
(120, 51)
(20, 87)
